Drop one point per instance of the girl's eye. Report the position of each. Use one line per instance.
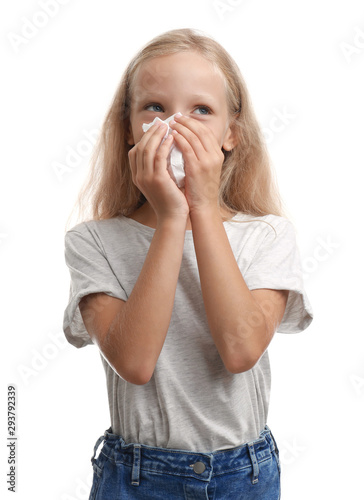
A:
(157, 108)
(203, 110)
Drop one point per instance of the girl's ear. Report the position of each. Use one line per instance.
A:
(230, 139)
(129, 135)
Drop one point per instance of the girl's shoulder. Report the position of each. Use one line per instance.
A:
(100, 225)
(266, 220)
(246, 229)
(110, 234)
(101, 232)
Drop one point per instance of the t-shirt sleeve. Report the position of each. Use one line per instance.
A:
(90, 273)
(277, 265)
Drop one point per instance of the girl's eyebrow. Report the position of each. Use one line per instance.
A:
(202, 96)
(151, 95)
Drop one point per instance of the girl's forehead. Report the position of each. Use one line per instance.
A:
(181, 68)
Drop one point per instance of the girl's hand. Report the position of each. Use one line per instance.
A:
(203, 159)
(148, 163)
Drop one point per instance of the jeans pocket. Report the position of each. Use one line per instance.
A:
(275, 454)
(96, 481)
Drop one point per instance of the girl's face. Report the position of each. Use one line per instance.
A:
(185, 82)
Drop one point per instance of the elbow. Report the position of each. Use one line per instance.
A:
(137, 372)
(135, 375)
(241, 358)
(237, 364)
(137, 378)
(242, 353)
(130, 372)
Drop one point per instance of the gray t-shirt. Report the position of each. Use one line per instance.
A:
(191, 402)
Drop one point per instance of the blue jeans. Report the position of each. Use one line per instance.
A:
(126, 471)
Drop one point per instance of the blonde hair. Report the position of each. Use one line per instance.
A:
(248, 183)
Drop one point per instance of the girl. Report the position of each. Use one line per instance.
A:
(182, 289)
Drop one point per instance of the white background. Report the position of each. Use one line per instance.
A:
(57, 82)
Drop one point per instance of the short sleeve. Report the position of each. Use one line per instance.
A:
(90, 273)
(277, 265)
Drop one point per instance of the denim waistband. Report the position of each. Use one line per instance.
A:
(186, 463)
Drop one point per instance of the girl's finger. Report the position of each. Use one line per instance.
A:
(162, 154)
(148, 145)
(149, 133)
(196, 133)
(147, 136)
(156, 130)
(189, 152)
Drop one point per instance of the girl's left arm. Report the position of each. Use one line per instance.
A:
(242, 322)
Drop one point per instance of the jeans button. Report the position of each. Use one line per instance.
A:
(199, 467)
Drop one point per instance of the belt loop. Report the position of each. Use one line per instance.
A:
(136, 466)
(275, 444)
(101, 438)
(254, 463)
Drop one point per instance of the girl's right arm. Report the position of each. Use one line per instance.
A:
(130, 334)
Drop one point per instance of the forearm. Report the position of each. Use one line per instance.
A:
(136, 336)
(236, 321)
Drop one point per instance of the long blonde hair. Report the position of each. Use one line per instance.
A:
(248, 183)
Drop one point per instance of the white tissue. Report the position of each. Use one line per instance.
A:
(175, 163)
